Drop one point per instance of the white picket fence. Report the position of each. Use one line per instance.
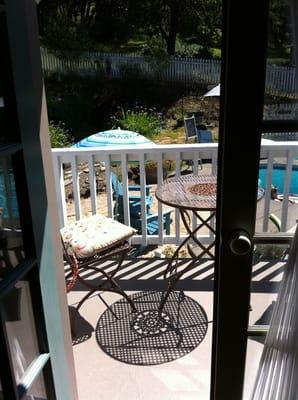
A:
(281, 111)
(279, 81)
(281, 136)
(117, 65)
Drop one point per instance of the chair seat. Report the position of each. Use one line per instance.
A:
(89, 236)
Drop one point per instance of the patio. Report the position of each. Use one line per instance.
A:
(185, 378)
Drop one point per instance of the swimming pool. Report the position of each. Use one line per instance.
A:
(278, 178)
(4, 203)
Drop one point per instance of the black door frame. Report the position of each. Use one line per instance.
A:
(241, 113)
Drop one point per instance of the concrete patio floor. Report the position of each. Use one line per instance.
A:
(101, 377)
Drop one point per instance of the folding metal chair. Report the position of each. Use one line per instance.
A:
(86, 244)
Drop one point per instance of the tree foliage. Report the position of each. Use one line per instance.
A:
(279, 38)
(195, 21)
(73, 23)
(65, 24)
(172, 24)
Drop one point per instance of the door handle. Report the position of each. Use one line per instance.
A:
(240, 243)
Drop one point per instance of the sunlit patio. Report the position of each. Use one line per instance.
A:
(187, 377)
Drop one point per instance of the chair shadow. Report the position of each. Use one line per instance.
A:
(81, 330)
(264, 319)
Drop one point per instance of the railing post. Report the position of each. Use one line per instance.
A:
(107, 161)
(60, 189)
(126, 210)
(92, 183)
(268, 192)
(76, 187)
(287, 181)
(160, 206)
(143, 196)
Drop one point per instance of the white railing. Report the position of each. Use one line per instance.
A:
(90, 158)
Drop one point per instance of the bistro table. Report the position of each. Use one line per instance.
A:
(166, 324)
(189, 194)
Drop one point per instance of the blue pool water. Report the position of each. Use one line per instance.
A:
(278, 178)
(4, 201)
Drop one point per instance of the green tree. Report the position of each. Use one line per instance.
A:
(64, 25)
(71, 23)
(192, 20)
(113, 22)
(279, 36)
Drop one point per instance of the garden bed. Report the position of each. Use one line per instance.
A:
(87, 105)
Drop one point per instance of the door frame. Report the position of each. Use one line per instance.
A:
(241, 113)
(29, 113)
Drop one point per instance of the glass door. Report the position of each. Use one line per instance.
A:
(242, 93)
(256, 199)
(272, 289)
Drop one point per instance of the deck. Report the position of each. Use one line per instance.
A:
(185, 378)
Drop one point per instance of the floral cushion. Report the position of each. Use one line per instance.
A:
(88, 236)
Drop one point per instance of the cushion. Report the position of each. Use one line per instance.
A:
(88, 236)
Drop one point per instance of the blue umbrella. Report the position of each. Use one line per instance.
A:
(115, 137)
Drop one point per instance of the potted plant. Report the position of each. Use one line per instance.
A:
(151, 171)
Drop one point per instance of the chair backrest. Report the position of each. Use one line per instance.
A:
(204, 136)
(190, 128)
(116, 185)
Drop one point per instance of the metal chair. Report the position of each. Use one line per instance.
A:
(86, 244)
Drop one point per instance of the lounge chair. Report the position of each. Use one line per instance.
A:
(134, 199)
(190, 129)
(204, 136)
(199, 133)
(153, 224)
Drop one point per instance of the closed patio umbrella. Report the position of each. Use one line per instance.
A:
(213, 92)
(116, 138)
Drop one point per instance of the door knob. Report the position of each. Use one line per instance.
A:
(240, 243)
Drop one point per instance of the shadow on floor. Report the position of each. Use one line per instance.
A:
(264, 319)
(81, 329)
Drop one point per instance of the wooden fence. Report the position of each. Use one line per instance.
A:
(280, 80)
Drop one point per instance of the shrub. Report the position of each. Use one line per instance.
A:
(140, 119)
(59, 135)
(154, 46)
(192, 50)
